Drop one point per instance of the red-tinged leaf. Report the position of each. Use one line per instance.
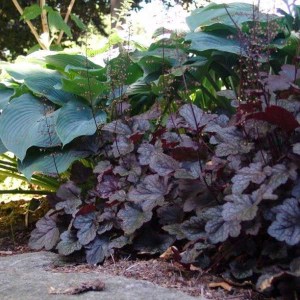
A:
(86, 209)
(278, 116)
(183, 154)
(158, 133)
(135, 138)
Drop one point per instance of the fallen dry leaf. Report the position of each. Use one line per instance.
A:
(221, 284)
(96, 285)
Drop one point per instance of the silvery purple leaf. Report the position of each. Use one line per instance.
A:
(97, 250)
(117, 127)
(286, 227)
(133, 217)
(69, 243)
(122, 146)
(121, 241)
(239, 208)
(87, 226)
(108, 186)
(46, 233)
(163, 164)
(145, 151)
(153, 188)
(102, 167)
(193, 228)
(246, 175)
(71, 194)
(140, 125)
(217, 229)
(174, 122)
(195, 116)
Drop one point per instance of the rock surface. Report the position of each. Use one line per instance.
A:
(28, 277)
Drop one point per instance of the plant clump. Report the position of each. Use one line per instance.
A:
(191, 145)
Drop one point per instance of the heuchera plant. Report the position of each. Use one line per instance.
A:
(200, 180)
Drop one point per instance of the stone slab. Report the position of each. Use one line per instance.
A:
(28, 277)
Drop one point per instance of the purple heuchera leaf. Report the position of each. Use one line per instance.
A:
(133, 217)
(195, 116)
(87, 226)
(97, 250)
(140, 125)
(150, 192)
(146, 150)
(102, 167)
(163, 164)
(244, 176)
(279, 175)
(286, 227)
(239, 208)
(69, 243)
(46, 233)
(71, 194)
(217, 229)
(117, 127)
(122, 146)
(108, 186)
(175, 122)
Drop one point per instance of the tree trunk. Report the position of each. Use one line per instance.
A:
(114, 4)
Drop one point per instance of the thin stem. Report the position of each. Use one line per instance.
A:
(30, 25)
(44, 20)
(70, 7)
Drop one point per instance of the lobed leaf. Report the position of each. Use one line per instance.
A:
(286, 227)
(46, 233)
(68, 244)
(87, 226)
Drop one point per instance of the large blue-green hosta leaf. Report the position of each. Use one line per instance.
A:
(49, 163)
(2, 147)
(223, 14)
(39, 80)
(61, 60)
(5, 95)
(202, 41)
(28, 122)
(76, 119)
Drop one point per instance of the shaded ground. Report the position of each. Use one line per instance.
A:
(163, 273)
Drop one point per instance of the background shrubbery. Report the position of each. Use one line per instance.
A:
(192, 144)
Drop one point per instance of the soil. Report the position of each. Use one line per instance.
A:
(161, 272)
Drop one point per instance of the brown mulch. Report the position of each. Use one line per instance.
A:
(167, 274)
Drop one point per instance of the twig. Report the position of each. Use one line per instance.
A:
(30, 25)
(70, 7)
(44, 20)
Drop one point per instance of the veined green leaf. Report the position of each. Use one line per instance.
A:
(224, 14)
(31, 12)
(56, 23)
(76, 119)
(78, 22)
(61, 60)
(28, 122)
(202, 41)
